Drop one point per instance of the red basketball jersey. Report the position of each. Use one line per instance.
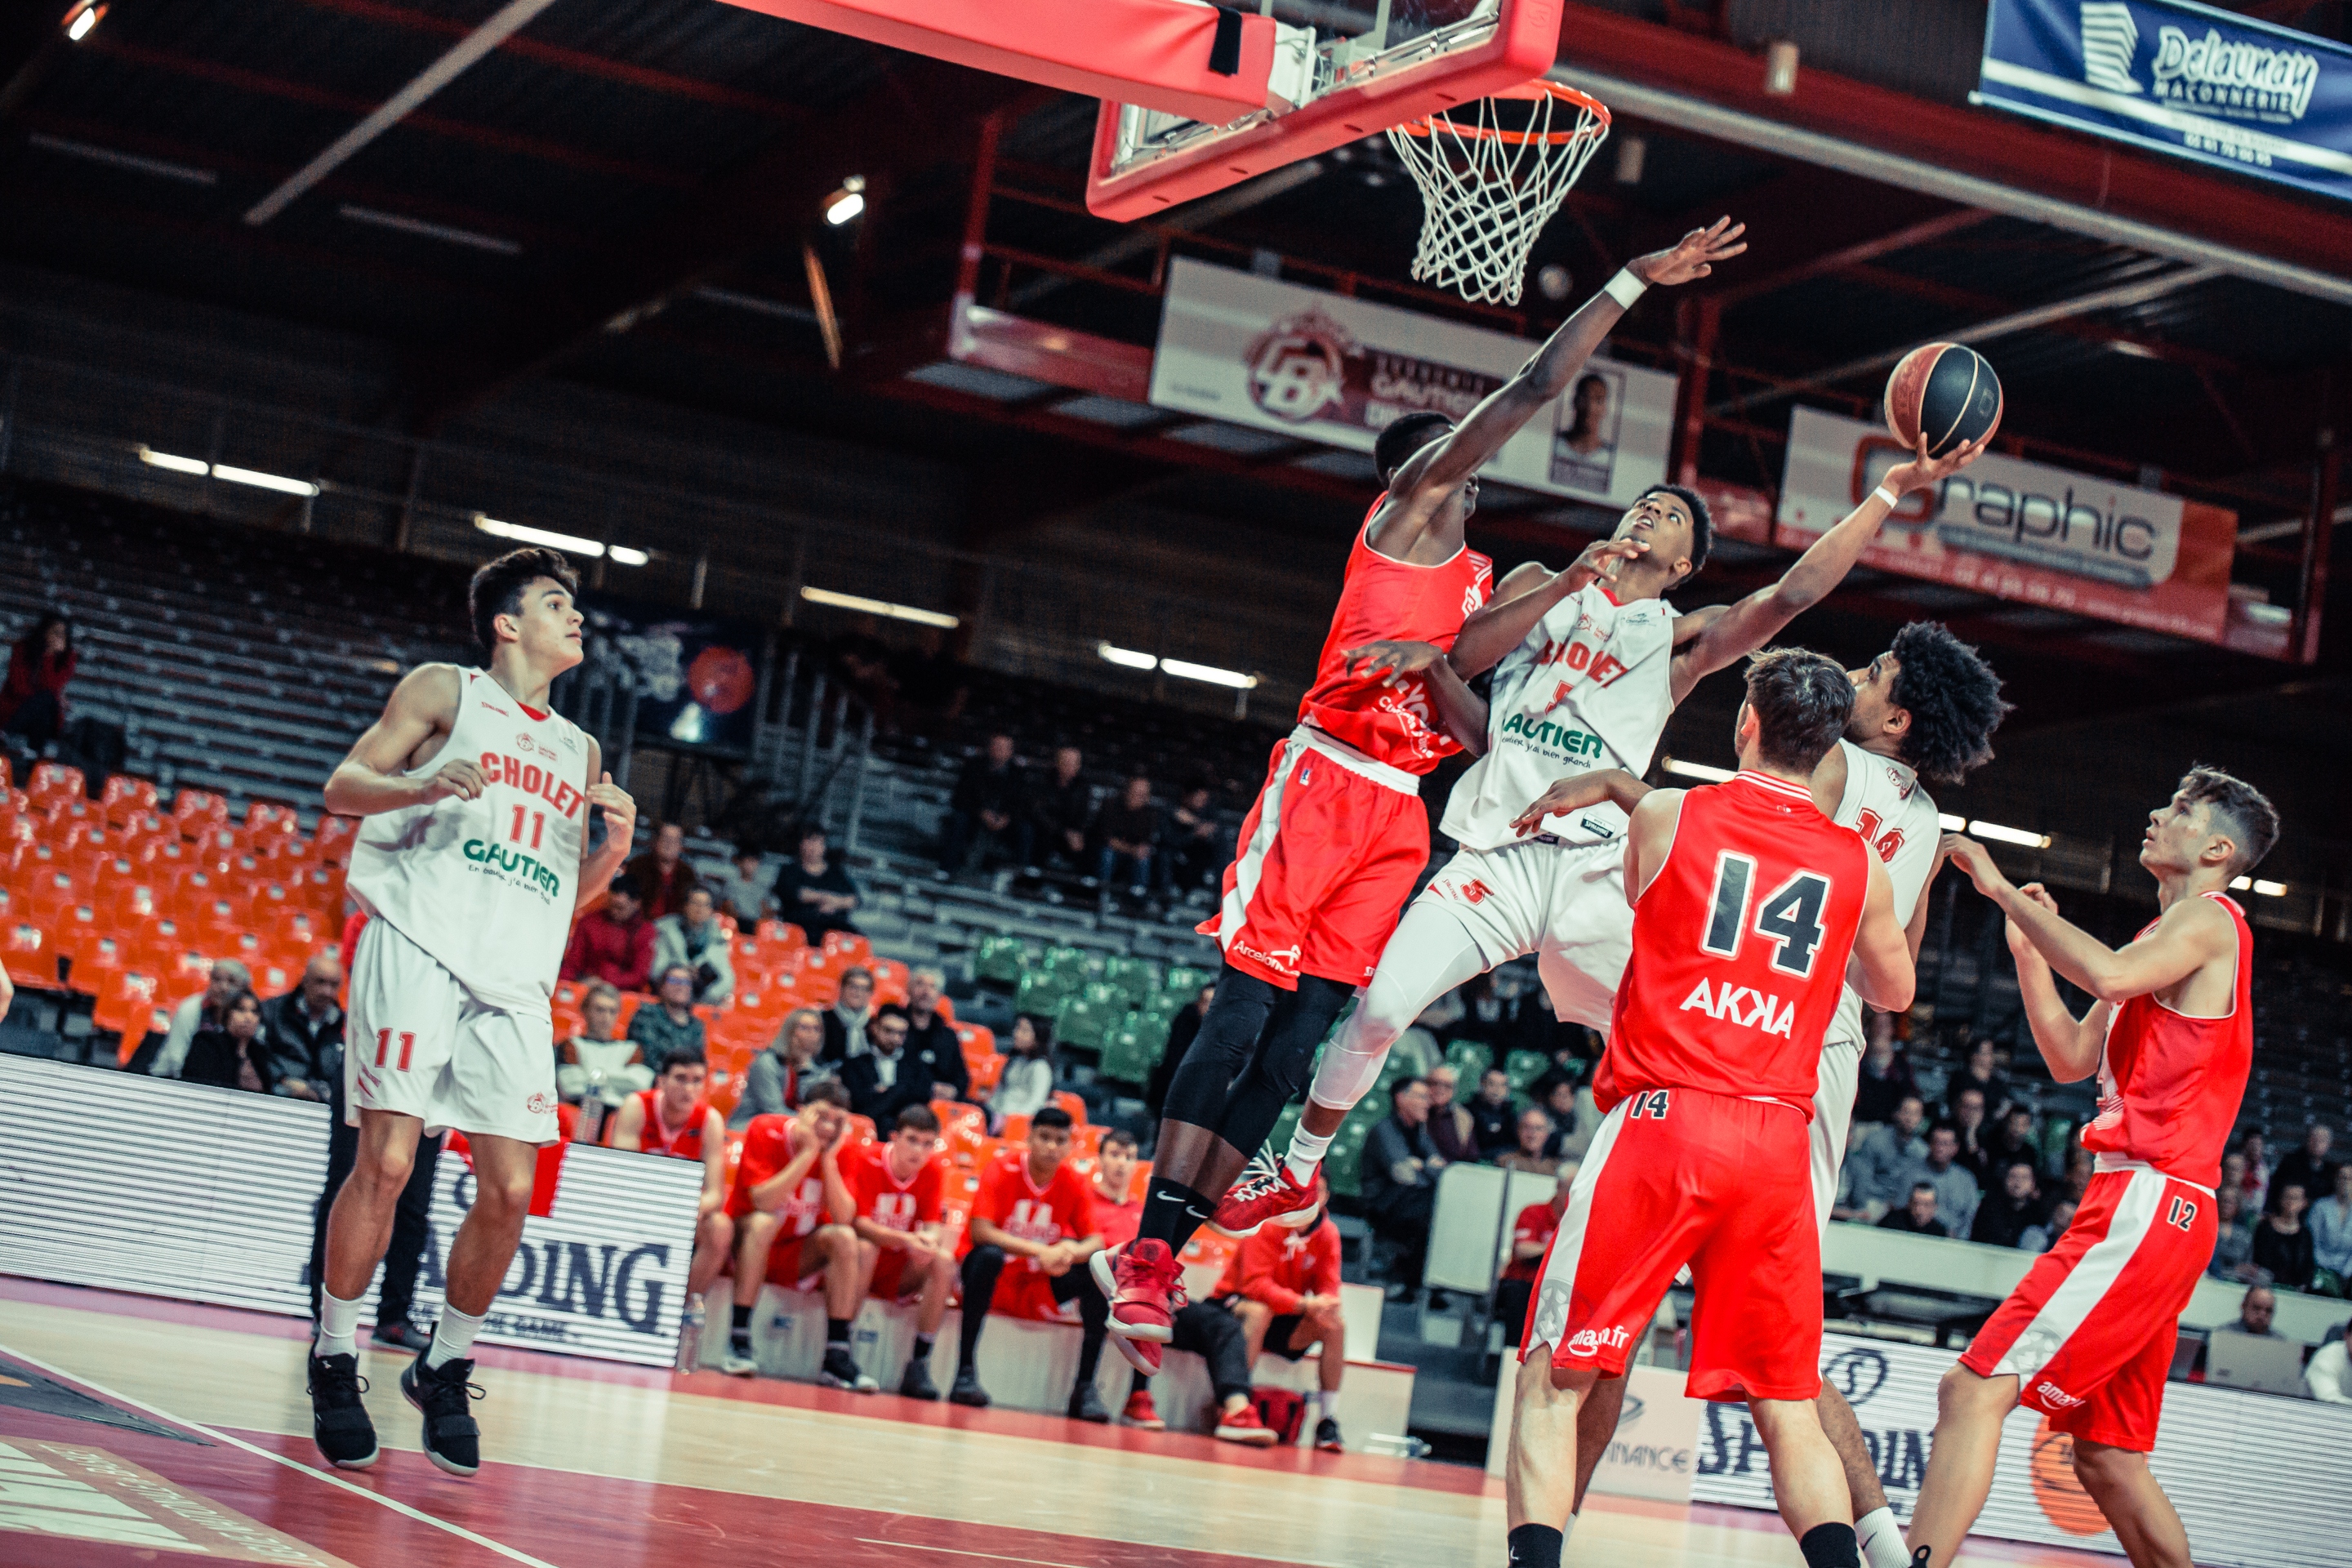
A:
(1385, 598)
(653, 1138)
(1060, 1210)
(883, 1198)
(2169, 1085)
(1739, 948)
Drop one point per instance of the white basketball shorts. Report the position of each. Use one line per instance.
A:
(1832, 1119)
(1564, 903)
(419, 1043)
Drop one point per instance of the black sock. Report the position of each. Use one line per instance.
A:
(739, 1333)
(1831, 1546)
(836, 1333)
(1171, 1213)
(1536, 1546)
(922, 1350)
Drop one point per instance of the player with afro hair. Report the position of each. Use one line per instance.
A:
(1953, 699)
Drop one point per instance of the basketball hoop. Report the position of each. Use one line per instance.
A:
(1491, 176)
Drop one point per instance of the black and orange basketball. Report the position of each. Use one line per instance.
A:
(1947, 390)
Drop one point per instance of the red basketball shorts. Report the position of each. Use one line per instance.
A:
(788, 1269)
(1022, 1291)
(892, 1279)
(2089, 1332)
(1329, 854)
(1725, 1185)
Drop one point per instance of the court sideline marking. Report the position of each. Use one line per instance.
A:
(354, 1488)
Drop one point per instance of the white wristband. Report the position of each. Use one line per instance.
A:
(1889, 497)
(1624, 288)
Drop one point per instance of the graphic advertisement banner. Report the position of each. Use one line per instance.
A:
(2021, 531)
(2186, 80)
(2256, 1478)
(1323, 367)
(695, 674)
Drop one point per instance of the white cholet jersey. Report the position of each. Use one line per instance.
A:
(488, 886)
(1588, 687)
(1886, 805)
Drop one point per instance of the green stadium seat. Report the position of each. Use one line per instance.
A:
(1063, 959)
(998, 960)
(1470, 1059)
(1522, 1067)
(1183, 981)
(1347, 1150)
(1128, 1055)
(1134, 976)
(1085, 1023)
(1043, 992)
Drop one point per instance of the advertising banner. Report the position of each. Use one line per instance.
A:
(2021, 531)
(1323, 367)
(695, 674)
(2190, 80)
(2256, 1478)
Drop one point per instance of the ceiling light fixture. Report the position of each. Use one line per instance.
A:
(117, 158)
(2001, 835)
(627, 556)
(2266, 888)
(1184, 670)
(882, 607)
(570, 543)
(83, 19)
(471, 238)
(848, 202)
(1697, 769)
(1127, 657)
(235, 476)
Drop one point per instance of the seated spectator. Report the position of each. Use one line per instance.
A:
(1399, 1180)
(1181, 1028)
(694, 939)
(2331, 1231)
(986, 818)
(1491, 1115)
(2282, 1247)
(2004, 1217)
(884, 1081)
(2256, 1308)
(742, 890)
(207, 1009)
(931, 1040)
(813, 891)
(2328, 1376)
(1532, 1151)
(33, 697)
(1882, 1161)
(775, 1079)
(1575, 1117)
(896, 1187)
(2308, 1165)
(2080, 1168)
(661, 875)
(1531, 1240)
(600, 1059)
(1975, 1156)
(2043, 1237)
(1284, 1286)
(792, 1213)
(2234, 1238)
(669, 1023)
(614, 942)
(847, 1019)
(1506, 1012)
(1918, 1216)
(1026, 1085)
(1059, 811)
(1198, 846)
(1849, 1204)
(674, 1118)
(302, 1032)
(1032, 1229)
(2016, 1138)
(1982, 1073)
(1126, 836)
(1885, 1081)
(1957, 1192)
(2257, 1172)
(1450, 1126)
(230, 1053)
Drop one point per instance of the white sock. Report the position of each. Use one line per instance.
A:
(1307, 1151)
(1881, 1539)
(1568, 1530)
(338, 1326)
(453, 1336)
(1326, 1400)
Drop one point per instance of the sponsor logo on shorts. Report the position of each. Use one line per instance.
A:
(1474, 892)
(1738, 1005)
(541, 1104)
(2052, 1393)
(1282, 960)
(1589, 1341)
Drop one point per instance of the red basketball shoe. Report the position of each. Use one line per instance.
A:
(1265, 1197)
(1141, 1411)
(1144, 1284)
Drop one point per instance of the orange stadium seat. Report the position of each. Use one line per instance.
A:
(123, 1001)
(945, 1007)
(56, 779)
(783, 932)
(126, 798)
(1014, 1130)
(1073, 1104)
(978, 1040)
(30, 962)
(985, 1071)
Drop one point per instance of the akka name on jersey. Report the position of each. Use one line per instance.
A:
(1748, 1008)
(532, 779)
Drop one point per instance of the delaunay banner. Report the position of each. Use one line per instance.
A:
(2021, 531)
(2182, 79)
(1258, 351)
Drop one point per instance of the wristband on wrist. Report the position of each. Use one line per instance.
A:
(1889, 497)
(1624, 288)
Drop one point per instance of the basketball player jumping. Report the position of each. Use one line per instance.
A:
(1747, 902)
(472, 862)
(2086, 1338)
(1339, 835)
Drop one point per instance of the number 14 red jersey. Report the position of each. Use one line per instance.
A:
(1740, 944)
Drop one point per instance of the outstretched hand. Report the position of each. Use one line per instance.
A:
(1401, 661)
(1695, 257)
(1922, 472)
(1973, 860)
(1600, 559)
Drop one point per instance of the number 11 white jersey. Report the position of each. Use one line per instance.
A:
(488, 886)
(1885, 802)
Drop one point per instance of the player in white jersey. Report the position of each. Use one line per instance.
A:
(471, 864)
(1589, 664)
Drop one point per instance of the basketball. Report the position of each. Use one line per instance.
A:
(1947, 390)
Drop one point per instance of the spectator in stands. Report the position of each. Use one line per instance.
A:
(2080, 1168)
(1127, 837)
(792, 1212)
(675, 1119)
(2327, 1375)
(614, 942)
(2282, 1247)
(774, 1079)
(1885, 1081)
(2234, 1238)
(1284, 1286)
(1181, 1030)
(742, 890)
(207, 1009)
(1882, 1161)
(1976, 1152)
(1198, 847)
(669, 1023)
(814, 892)
(33, 697)
(2257, 1177)
(302, 1033)
(1575, 1117)
(1059, 810)
(1490, 1111)
(883, 1081)
(2256, 1309)
(1399, 1180)
(2331, 1232)
(1032, 1229)
(2004, 1217)
(1957, 1192)
(600, 1059)
(986, 819)
(2308, 1166)
(1450, 1126)
(845, 1020)
(2043, 1237)
(661, 874)
(694, 939)
(1849, 1202)
(2015, 1139)
(932, 1042)
(897, 1189)
(1918, 1216)
(861, 660)
(231, 1053)
(1981, 1072)
(1532, 1149)
(1531, 1236)
(1026, 1082)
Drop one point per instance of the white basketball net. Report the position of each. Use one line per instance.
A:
(1489, 185)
